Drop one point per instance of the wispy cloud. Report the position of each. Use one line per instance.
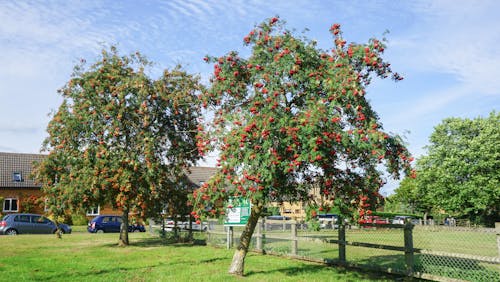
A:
(456, 38)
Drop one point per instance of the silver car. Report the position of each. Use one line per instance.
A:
(26, 223)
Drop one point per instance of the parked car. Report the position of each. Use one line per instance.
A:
(27, 223)
(278, 217)
(401, 219)
(136, 227)
(374, 219)
(111, 223)
(184, 225)
(328, 221)
(203, 226)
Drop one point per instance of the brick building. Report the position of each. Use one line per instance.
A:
(20, 193)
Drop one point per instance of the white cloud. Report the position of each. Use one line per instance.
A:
(458, 38)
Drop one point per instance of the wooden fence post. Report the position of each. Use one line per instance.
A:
(409, 254)
(151, 232)
(259, 235)
(497, 229)
(229, 237)
(342, 243)
(294, 238)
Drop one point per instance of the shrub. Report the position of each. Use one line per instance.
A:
(79, 219)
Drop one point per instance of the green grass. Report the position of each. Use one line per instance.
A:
(446, 241)
(96, 257)
(459, 241)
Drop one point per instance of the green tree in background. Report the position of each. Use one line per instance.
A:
(120, 138)
(461, 173)
(292, 116)
(411, 198)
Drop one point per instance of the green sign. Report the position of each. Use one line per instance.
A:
(237, 211)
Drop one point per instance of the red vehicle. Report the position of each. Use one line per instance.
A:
(373, 219)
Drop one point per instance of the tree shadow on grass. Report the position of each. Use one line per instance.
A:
(396, 262)
(339, 272)
(454, 267)
(444, 266)
(159, 242)
(92, 273)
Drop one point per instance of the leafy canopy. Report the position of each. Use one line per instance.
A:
(119, 137)
(292, 116)
(461, 172)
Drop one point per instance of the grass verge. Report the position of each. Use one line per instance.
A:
(96, 257)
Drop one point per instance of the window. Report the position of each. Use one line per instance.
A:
(93, 211)
(17, 177)
(22, 218)
(39, 219)
(10, 205)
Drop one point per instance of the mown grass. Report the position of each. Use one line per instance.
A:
(96, 257)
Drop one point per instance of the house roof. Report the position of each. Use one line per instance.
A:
(201, 174)
(11, 163)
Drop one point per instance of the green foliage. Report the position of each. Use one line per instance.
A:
(30, 203)
(271, 211)
(120, 138)
(313, 225)
(79, 219)
(292, 116)
(410, 197)
(461, 173)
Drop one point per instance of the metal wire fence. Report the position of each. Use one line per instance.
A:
(431, 252)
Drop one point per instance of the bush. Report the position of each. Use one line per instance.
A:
(313, 225)
(79, 219)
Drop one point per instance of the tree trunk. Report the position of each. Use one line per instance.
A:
(58, 230)
(238, 263)
(124, 229)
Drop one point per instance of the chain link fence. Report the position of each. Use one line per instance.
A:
(471, 254)
(441, 253)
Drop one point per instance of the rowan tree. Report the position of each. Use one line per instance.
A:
(120, 138)
(291, 116)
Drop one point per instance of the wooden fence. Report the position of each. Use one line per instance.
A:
(470, 267)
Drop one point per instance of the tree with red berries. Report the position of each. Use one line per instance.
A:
(120, 138)
(292, 116)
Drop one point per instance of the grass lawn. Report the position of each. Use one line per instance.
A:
(96, 257)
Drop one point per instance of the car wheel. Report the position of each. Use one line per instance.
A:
(11, 232)
(99, 231)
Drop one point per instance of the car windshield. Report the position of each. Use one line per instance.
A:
(6, 217)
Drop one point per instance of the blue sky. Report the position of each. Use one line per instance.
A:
(448, 52)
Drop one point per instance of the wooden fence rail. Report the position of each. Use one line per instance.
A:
(407, 248)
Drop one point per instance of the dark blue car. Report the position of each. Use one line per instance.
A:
(111, 223)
